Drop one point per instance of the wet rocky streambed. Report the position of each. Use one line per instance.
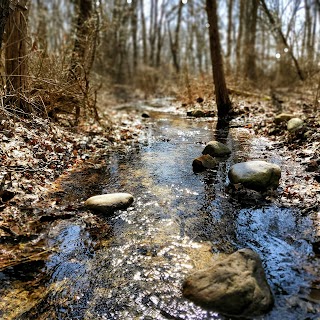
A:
(179, 222)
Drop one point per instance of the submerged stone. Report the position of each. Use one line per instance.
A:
(108, 203)
(203, 162)
(234, 286)
(256, 175)
(216, 149)
(295, 124)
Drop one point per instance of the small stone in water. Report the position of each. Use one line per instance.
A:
(256, 175)
(216, 149)
(108, 203)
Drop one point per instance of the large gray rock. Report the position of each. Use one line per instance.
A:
(295, 124)
(216, 149)
(204, 162)
(108, 203)
(256, 175)
(234, 286)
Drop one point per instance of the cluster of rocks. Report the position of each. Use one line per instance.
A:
(212, 153)
(235, 285)
(256, 175)
(293, 123)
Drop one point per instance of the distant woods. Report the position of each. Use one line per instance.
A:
(259, 39)
(52, 50)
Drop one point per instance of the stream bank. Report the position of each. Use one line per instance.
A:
(179, 221)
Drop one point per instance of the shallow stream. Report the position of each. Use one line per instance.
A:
(180, 221)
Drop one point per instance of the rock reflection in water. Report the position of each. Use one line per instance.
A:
(177, 220)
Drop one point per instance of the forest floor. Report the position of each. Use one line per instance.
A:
(47, 170)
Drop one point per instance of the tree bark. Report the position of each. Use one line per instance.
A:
(16, 59)
(144, 34)
(153, 29)
(81, 60)
(174, 43)
(250, 39)
(81, 43)
(229, 31)
(42, 35)
(160, 34)
(4, 9)
(239, 37)
(134, 30)
(222, 97)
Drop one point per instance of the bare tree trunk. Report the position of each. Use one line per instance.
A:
(80, 60)
(174, 43)
(189, 52)
(4, 9)
(282, 38)
(199, 49)
(134, 30)
(153, 29)
(94, 37)
(308, 30)
(229, 31)
(42, 27)
(81, 43)
(16, 54)
(239, 37)
(144, 34)
(250, 39)
(160, 35)
(314, 32)
(222, 97)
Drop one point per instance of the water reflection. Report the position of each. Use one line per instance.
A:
(178, 219)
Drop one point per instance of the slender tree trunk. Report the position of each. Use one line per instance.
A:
(94, 37)
(42, 27)
(153, 29)
(80, 49)
(80, 60)
(144, 33)
(239, 37)
(199, 49)
(314, 32)
(308, 29)
(4, 14)
(189, 53)
(282, 38)
(16, 63)
(160, 35)
(222, 97)
(174, 42)
(229, 32)
(134, 30)
(250, 39)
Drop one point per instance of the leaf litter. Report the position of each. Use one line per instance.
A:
(36, 156)
(47, 170)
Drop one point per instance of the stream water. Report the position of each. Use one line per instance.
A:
(180, 221)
